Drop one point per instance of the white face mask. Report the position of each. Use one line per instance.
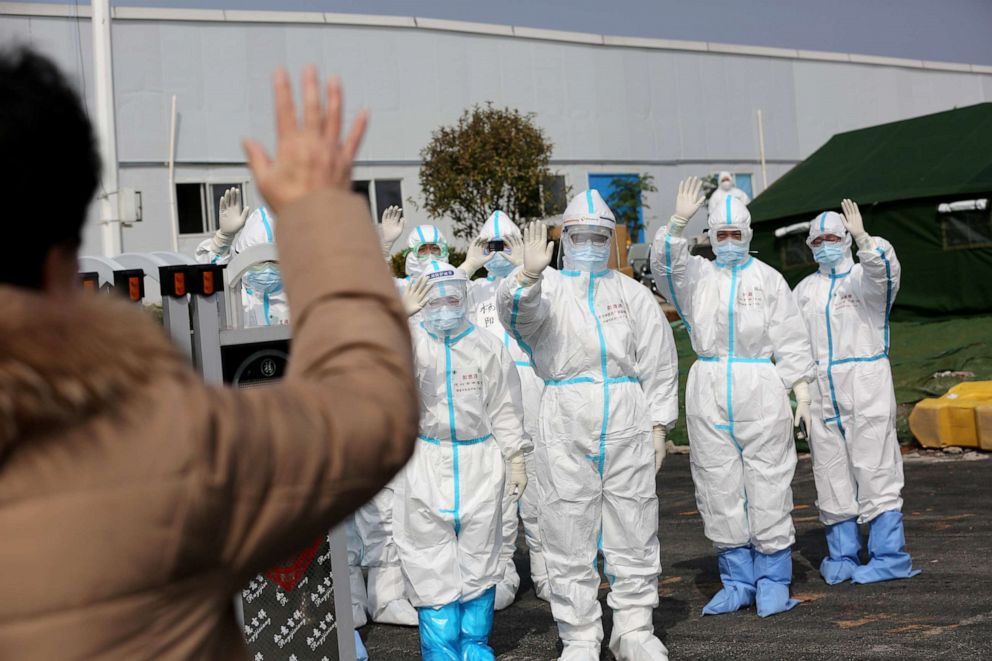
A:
(726, 184)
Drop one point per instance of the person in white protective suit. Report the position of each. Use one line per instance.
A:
(726, 185)
(752, 348)
(607, 356)
(856, 460)
(262, 295)
(448, 507)
(499, 249)
(372, 544)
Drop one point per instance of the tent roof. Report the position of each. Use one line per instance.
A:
(947, 153)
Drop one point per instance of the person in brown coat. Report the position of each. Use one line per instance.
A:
(135, 500)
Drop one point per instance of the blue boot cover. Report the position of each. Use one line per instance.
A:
(774, 574)
(439, 631)
(360, 652)
(737, 575)
(477, 623)
(843, 546)
(887, 557)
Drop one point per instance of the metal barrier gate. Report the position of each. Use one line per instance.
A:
(302, 608)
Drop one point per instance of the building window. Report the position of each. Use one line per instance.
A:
(554, 195)
(795, 253)
(198, 205)
(966, 224)
(380, 194)
(743, 181)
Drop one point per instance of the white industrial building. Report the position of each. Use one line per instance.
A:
(610, 105)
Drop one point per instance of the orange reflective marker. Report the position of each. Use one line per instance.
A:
(208, 283)
(179, 283)
(134, 287)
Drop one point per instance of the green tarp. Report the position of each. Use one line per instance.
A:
(898, 173)
(944, 154)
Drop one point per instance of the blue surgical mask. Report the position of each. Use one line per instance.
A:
(499, 266)
(729, 253)
(828, 253)
(266, 280)
(588, 257)
(444, 320)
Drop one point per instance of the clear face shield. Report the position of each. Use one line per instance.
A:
(446, 310)
(586, 247)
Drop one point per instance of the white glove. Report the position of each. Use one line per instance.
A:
(687, 203)
(659, 434)
(476, 257)
(391, 227)
(516, 252)
(415, 295)
(516, 480)
(856, 225)
(537, 253)
(803, 400)
(231, 218)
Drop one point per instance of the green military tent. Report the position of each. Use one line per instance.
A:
(924, 184)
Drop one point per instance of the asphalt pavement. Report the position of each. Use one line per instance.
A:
(944, 613)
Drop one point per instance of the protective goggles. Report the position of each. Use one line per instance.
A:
(587, 235)
(818, 241)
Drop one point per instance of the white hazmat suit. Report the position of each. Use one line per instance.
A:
(262, 295)
(607, 356)
(726, 185)
(482, 311)
(387, 599)
(448, 506)
(752, 347)
(857, 464)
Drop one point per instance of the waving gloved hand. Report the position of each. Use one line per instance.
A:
(476, 257)
(659, 435)
(687, 203)
(537, 252)
(803, 399)
(391, 227)
(231, 218)
(856, 225)
(516, 479)
(415, 296)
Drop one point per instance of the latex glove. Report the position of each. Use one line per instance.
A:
(415, 295)
(391, 227)
(476, 257)
(659, 434)
(516, 252)
(537, 253)
(803, 399)
(687, 203)
(856, 225)
(310, 153)
(516, 480)
(231, 219)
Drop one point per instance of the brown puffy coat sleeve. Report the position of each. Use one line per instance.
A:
(286, 463)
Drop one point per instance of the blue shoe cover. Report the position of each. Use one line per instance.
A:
(887, 557)
(477, 623)
(843, 546)
(439, 631)
(774, 574)
(737, 576)
(360, 652)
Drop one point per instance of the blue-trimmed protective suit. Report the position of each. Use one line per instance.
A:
(607, 356)
(856, 460)
(448, 505)
(752, 348)
(263, 306)
(482, 312)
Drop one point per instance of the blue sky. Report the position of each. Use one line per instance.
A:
(947, 30)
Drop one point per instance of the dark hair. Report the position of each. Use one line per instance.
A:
(49, 166)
